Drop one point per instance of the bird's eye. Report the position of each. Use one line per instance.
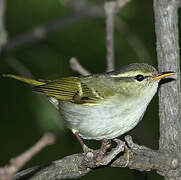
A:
(139, 77)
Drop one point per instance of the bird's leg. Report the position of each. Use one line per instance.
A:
(106, 144)
(84, 147)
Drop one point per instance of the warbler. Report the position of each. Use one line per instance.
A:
(102, 106)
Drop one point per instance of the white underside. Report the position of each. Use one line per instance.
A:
(105, 121)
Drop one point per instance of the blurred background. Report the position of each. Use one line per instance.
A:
(42, 37)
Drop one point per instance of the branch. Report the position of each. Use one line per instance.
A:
(6, 173)
(76, 66)
(77, 165)
(110, 8)
(166, 24)
(120, 4)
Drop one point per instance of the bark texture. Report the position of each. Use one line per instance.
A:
(166, 26)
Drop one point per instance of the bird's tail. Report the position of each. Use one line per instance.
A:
(26, 80)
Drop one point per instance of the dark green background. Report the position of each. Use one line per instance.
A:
(25, 117)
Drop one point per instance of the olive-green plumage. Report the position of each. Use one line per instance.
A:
(102, 105)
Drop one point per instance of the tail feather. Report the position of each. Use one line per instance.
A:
(26, 80)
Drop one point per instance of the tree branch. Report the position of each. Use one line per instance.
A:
(7, 172)
(76, 66)
(77, 165)
(110, 7)
(166, 24)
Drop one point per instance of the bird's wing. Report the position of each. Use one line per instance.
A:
(69, 89)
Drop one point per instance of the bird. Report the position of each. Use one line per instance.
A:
(103, 105)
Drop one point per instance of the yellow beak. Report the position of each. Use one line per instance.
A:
(162, 75)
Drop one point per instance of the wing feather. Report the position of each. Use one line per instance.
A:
(70, 89)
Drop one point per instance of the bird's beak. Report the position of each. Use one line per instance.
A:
(162, 75)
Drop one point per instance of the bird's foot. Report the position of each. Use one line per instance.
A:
(101, 157)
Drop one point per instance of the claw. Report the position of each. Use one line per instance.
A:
(106, 144)
(115, 151)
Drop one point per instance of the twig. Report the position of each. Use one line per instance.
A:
(19, 161)
(110, 12)
(76, 66)
(121, 3)
(111, 8)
